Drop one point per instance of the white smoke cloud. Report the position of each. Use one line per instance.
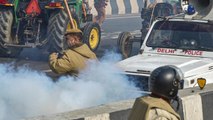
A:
(25, 92)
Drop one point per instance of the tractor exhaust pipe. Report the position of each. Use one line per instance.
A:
(203, 7)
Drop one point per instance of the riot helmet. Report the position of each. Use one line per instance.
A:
(165, 81)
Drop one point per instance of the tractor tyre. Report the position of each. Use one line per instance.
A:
(58, 24)
(76, 21)
(6, 35)
(92, 35)
(124, 44)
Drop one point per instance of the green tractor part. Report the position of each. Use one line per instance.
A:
(42, 24)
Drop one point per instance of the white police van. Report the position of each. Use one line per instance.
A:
(183, 41)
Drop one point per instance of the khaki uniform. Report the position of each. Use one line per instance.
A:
(151, 108)
(72, 60)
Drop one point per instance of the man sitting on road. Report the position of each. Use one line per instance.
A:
(74, 58)
(164, 83)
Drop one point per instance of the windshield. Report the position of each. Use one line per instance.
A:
(182, 35)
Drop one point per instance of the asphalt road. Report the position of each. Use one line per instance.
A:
(113, 25)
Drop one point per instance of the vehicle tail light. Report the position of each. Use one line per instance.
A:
(3, 1)
(33, 8)
(54, 4)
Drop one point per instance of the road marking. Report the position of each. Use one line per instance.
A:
(121, 17)
(134, 6)
(114, 35)
(121, 6)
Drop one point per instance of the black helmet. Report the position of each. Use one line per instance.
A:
(165, 81)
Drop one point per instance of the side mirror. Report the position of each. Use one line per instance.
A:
(201, 82)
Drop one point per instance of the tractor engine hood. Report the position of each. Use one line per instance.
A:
(144, 65)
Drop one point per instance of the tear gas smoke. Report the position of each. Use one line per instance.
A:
(25, 92)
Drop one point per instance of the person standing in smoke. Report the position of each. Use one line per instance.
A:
(164, 83)
(100, 6)
(74, 58)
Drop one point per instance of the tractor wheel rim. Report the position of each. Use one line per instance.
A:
(94, 38)
(69, 24)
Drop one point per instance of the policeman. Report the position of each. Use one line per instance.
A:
(74, 58)
(164, 83)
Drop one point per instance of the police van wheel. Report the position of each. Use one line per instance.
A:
(6, 20)
(124, 44)
(92, 35)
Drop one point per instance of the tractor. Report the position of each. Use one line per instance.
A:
(42, 24)
(148, 15)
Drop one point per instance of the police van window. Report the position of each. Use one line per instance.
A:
(181, 35)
